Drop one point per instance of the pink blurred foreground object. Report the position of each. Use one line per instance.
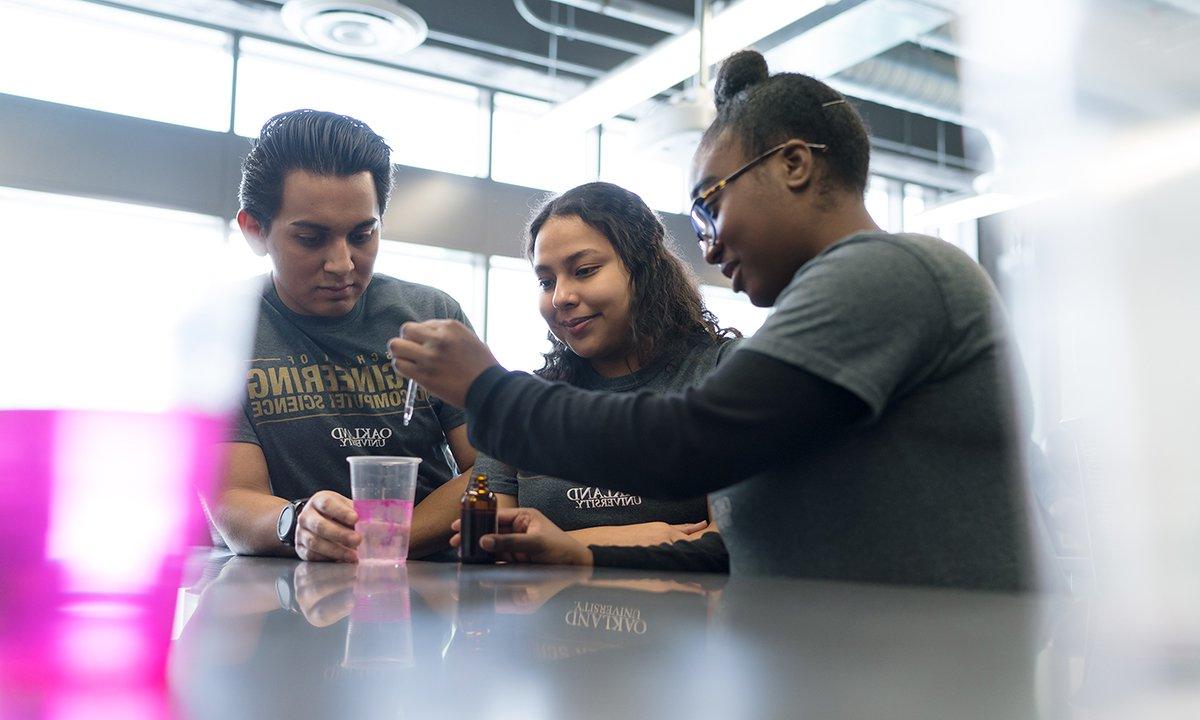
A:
(96, 510)
(105, 441)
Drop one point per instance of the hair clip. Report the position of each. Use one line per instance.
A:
(833, 102)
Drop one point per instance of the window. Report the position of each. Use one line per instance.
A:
(915, 197)
(136, 290)
(523, 153)
(241, 259)
(78, 53)
(458, 274)
(516, 332)
(660, 181)
(879, 202)
(428, 122)
(897, 207)
(963, 235)
(733, 310)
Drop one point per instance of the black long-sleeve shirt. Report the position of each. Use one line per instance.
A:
(740, 420)
(704, 554)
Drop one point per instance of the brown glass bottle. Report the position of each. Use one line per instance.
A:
(478, 519)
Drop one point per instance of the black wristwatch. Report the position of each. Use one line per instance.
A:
(289, 517)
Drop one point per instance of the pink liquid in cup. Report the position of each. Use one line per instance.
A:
(385, 526)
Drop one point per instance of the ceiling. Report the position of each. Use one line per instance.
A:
(909, 87)
(898, 59)
(500, 23)
(494, 33)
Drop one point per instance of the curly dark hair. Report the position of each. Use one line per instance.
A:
(666, 310)
(762, 110)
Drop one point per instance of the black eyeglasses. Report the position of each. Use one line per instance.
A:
(703, 221)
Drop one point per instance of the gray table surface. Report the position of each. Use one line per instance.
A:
(274, 638)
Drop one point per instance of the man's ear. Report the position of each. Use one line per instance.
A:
(253, 231)
(799, 170)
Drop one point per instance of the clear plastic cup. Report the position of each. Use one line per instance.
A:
(383, 488)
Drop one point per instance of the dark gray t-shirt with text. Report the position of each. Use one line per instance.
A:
(320, 390)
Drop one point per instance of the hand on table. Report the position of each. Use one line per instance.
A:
(442, 355)
(326, 529)
(527, 536)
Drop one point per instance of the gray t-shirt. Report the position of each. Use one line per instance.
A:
(320, 390)
(572, 506)
(927, 488)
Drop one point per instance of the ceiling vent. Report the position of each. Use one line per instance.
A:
(363, 28)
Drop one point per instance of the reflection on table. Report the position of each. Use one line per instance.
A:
(264, 637)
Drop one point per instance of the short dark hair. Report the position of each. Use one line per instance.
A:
(762, 110)
(322, 143)
(666, 310)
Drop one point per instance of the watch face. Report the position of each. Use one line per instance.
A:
(286, 519)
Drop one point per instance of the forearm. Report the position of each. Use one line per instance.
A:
(599, 535)
(645, 533)
(610, 444)
(742, 419)
(705, 554)
(247, 520)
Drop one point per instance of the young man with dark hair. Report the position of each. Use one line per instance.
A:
(320, 387)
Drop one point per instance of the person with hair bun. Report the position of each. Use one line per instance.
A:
(869, 431)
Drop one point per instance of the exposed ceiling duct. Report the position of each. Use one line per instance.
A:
(574, 33)
(855, 35)
(908, 78)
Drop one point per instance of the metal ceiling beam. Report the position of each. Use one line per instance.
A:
(639, 13)
(886, 96)
(513, 54)
(677, 59)
(908, 78)
(941, 41)
(574, 33)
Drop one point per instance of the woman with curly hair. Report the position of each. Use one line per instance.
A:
(624, 315)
